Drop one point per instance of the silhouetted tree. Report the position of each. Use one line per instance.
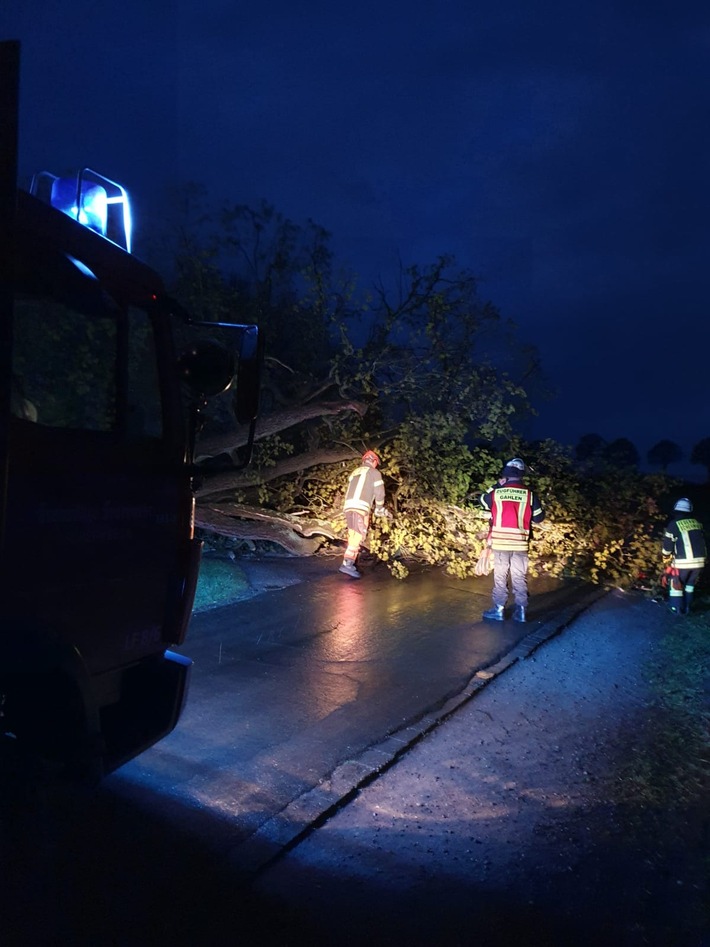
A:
(622, 453)
(664, 453)
(590, 447)
(701, 454)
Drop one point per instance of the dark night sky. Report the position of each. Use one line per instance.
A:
(560, 151)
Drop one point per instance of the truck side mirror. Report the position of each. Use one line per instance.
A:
(246, 405)
(207, 368)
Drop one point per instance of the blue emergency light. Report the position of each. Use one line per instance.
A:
(87, 204)
(90, 198)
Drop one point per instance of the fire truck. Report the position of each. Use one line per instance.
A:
(104, 380)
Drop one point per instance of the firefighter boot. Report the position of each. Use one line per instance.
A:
(519, 613)
(348, 568)
(675, 604)
(687, 601)
(495, 613)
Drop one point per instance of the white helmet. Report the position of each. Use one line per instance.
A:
(517, 463)
(684, 505)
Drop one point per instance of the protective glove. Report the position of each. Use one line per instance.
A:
(383, 511)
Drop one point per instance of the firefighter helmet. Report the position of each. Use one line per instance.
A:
(517, 463)
(684, 505)
(370, 458)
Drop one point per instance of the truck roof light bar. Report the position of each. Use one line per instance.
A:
(94, 200)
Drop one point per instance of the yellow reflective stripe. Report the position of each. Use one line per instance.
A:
(355, 504)
(509, 538)
(359, 475)
(360, 493)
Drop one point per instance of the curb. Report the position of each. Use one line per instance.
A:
(284, 831)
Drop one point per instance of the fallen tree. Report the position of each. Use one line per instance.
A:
(216, 510)
(299, 536)
(274, 423)
(230, 480)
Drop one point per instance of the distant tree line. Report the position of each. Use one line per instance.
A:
(623, 452)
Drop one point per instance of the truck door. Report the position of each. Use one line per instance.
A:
(98, 505)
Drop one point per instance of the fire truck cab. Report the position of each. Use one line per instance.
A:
(102, 381)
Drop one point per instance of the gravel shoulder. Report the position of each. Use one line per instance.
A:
(507, 825)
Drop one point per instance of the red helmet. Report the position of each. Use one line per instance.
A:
(370, 458)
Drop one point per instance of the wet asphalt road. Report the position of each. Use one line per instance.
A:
(291, 685)
(298, 697)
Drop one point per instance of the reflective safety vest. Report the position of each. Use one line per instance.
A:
(685, 541)
(364, 485)
(514, 508)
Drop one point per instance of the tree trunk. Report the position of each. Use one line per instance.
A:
(297, 535)
(273, 423)
(227, 481)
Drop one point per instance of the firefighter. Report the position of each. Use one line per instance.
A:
(685, 551)
(513, 508)
(365, 485)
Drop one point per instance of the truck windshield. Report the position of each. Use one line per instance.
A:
(78, 368)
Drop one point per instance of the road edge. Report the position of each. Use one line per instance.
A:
(289, 827)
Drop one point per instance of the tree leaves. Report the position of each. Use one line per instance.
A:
(441, 388)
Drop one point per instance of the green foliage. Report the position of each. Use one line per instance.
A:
(604, 529)
(429, 459)
(603, 525)
(323, 489)
(436, 349)
(258, 264)
(431, 533)
(440, 374)
(267, 453)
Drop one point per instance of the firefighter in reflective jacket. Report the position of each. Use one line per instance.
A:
(685, 551)
(513, 508)
(365, 485)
